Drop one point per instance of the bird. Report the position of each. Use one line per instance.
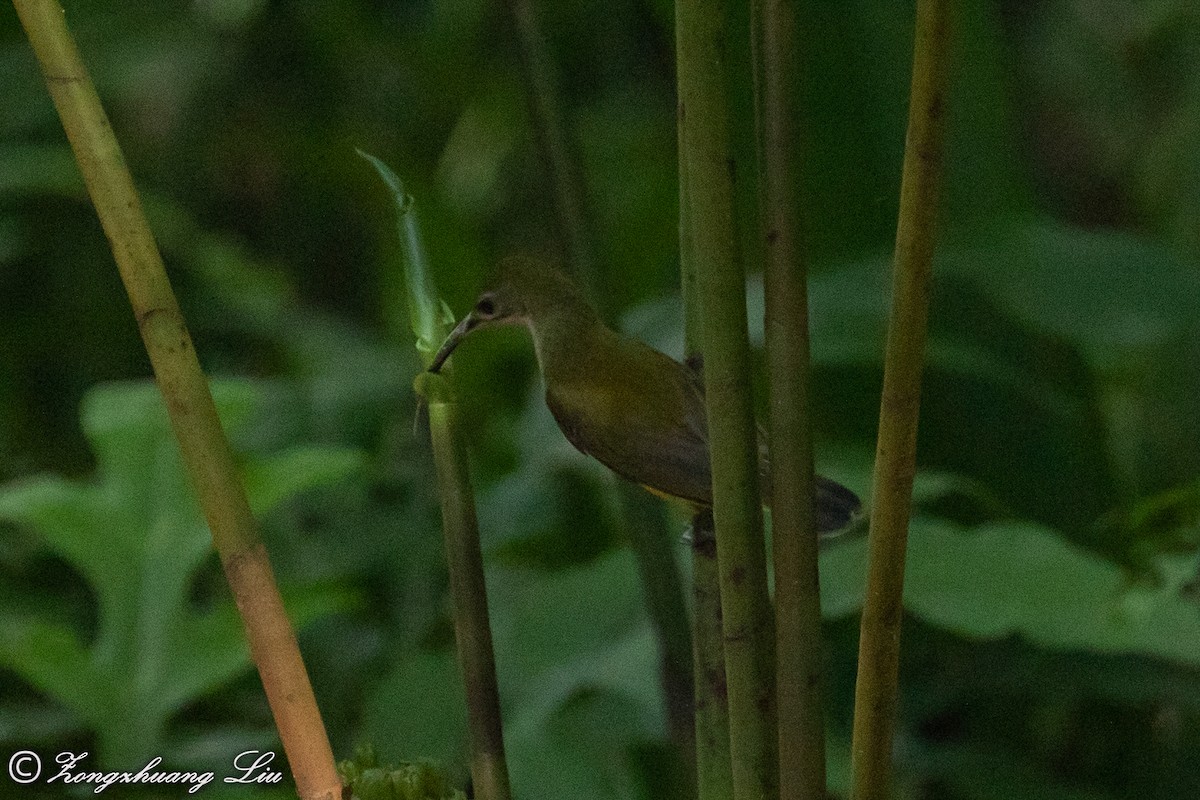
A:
(634, 409)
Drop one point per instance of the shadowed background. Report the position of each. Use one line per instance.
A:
(1052, 646)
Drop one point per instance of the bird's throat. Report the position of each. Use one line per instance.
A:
(568, 340)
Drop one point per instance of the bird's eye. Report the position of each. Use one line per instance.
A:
(485, 308)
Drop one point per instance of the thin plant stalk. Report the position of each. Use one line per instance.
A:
(798, 652)
(745, 605)
(714, 769)
(553, 135)
(895, 455)
(460, 528)
(202, 442)
(666, 606)
(472, 633)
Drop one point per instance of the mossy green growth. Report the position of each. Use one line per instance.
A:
(422, 780)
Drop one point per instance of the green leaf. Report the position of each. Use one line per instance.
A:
(419, 780)
(1112, 293)
(51, 657)
(583, 749)
(571, 644)
(39, 169)
(270, 480)
(577, 662)
(423, 305)
(418, 710)
(1021, 579)
(218, 634)
(135, 534)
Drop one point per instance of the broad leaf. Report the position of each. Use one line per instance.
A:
(135, 534)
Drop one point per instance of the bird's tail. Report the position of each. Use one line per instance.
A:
(835, 506)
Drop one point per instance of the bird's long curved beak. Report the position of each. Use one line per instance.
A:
(460, 330)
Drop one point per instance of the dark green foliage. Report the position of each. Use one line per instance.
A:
(1051, 651)
(368, 780)
(149, 643)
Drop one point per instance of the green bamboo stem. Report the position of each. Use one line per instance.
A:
(895, 456)
(460, 528)
(798, 652)
(714, 770)
(707, 157)
(204, 448)
(688, 291)
(472, 633)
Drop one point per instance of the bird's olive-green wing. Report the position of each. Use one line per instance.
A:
(672, 462)
(654, 431)
(657, 438)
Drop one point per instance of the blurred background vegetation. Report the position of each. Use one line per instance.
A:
(1053, 640)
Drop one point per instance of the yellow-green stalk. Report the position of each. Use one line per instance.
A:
(460, 528)
(714, 768)
(706, 157)
(895, 455)
(205, 450)
(798, 652)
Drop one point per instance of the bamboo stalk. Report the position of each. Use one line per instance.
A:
(798, 651)
(707, 157)
(895, 455)
(714, 770)
(472, 632)
(205, 450)
(460, 528)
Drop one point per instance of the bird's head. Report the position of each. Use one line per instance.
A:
(523, 291)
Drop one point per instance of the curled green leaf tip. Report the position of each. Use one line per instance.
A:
(403, 200)
(447, 314)
(426, 345)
